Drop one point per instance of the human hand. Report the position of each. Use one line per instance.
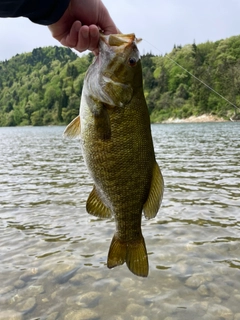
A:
(79, 26)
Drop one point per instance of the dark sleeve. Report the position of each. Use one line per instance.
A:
(43, 12)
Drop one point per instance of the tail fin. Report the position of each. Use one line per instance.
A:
(134, 253)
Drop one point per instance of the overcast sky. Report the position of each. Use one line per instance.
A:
(163, 23)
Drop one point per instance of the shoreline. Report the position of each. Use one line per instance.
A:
(194, 119)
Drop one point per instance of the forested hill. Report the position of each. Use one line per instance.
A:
(44, 87)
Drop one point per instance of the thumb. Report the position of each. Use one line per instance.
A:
(106, 23)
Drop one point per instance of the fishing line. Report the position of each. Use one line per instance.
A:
(205, 84)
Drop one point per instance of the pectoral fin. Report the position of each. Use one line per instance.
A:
(102, 124)
(155, 196)
(73, 130)
(96, 207)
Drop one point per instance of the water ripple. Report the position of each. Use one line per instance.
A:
(53, 254)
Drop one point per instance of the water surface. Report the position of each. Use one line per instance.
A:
(53, 254)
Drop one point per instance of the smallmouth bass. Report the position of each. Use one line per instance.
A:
(117, 146)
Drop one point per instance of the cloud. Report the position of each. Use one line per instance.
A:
(163, 23)
(20, 35)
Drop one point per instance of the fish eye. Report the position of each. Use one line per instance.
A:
(132, 62)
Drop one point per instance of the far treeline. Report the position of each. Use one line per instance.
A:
(44, 87)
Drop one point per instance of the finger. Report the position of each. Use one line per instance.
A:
(96, 52)
(83, 39)
(106, 23)
(72, 38)
(93, 37)
(111, 29)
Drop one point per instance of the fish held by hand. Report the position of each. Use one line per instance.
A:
(117, 147)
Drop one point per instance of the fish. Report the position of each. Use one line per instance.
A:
(117, 146)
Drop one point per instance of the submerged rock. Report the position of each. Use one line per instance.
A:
(19, 284)
(220, 293)
(81, 277)
(197, 279)
(52, 316)
(29, 275)
(117, 318)
(127, 283)
(84, 314)
(27, 305)
(135, 309)
(34, 290)
(64, 272)
(89, 299)
(10, 315)
(203, 290)
(5, 290)
(217, 311)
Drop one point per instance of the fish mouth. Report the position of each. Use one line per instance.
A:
(119, 40)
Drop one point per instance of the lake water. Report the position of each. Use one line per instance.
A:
(53, 254)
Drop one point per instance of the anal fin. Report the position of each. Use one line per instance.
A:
(96, 207)
(152, 205)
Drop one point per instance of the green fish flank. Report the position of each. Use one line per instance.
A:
(117, 146)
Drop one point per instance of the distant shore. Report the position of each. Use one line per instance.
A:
(202, 118)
